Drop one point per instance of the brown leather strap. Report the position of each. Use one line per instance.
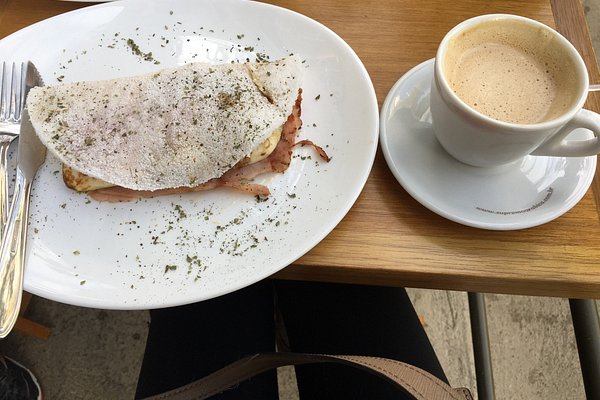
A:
(420, 384)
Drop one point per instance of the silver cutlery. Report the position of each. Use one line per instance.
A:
(12, 99)
(31, 155)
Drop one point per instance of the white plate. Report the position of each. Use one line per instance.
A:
(115, 255)
(530, 192)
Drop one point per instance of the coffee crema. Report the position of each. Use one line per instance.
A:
(512, 72)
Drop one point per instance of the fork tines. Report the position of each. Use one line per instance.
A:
(12, 92)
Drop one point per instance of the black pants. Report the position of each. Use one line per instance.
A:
(188, 342)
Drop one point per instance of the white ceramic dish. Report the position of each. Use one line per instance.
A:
(180, 249)
(524, 194)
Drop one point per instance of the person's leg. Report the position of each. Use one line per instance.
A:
(189, 342)
(352, 319)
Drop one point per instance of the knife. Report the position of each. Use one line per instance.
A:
(31, 155)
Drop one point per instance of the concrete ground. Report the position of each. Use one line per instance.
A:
(96, 354)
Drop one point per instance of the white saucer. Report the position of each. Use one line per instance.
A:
(524, 194)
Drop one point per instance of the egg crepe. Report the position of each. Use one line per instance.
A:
(178, 127)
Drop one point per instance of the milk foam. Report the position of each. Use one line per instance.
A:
(512, 72)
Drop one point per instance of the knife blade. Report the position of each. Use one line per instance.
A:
(30, 156)
(31, 152)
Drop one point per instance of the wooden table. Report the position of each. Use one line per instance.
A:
(388, 237)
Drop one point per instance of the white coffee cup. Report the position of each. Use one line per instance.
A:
(474, 136)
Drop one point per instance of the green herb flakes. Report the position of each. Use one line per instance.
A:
(135, 49)
(169, 267)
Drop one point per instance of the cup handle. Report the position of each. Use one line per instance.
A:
(559, 147)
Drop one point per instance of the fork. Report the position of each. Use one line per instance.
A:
(12, 99)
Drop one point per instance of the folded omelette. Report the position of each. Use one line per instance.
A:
(175, 128)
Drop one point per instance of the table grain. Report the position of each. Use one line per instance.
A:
(388, 238)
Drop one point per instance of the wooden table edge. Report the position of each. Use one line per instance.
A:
(569, 18)
(428, 280)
